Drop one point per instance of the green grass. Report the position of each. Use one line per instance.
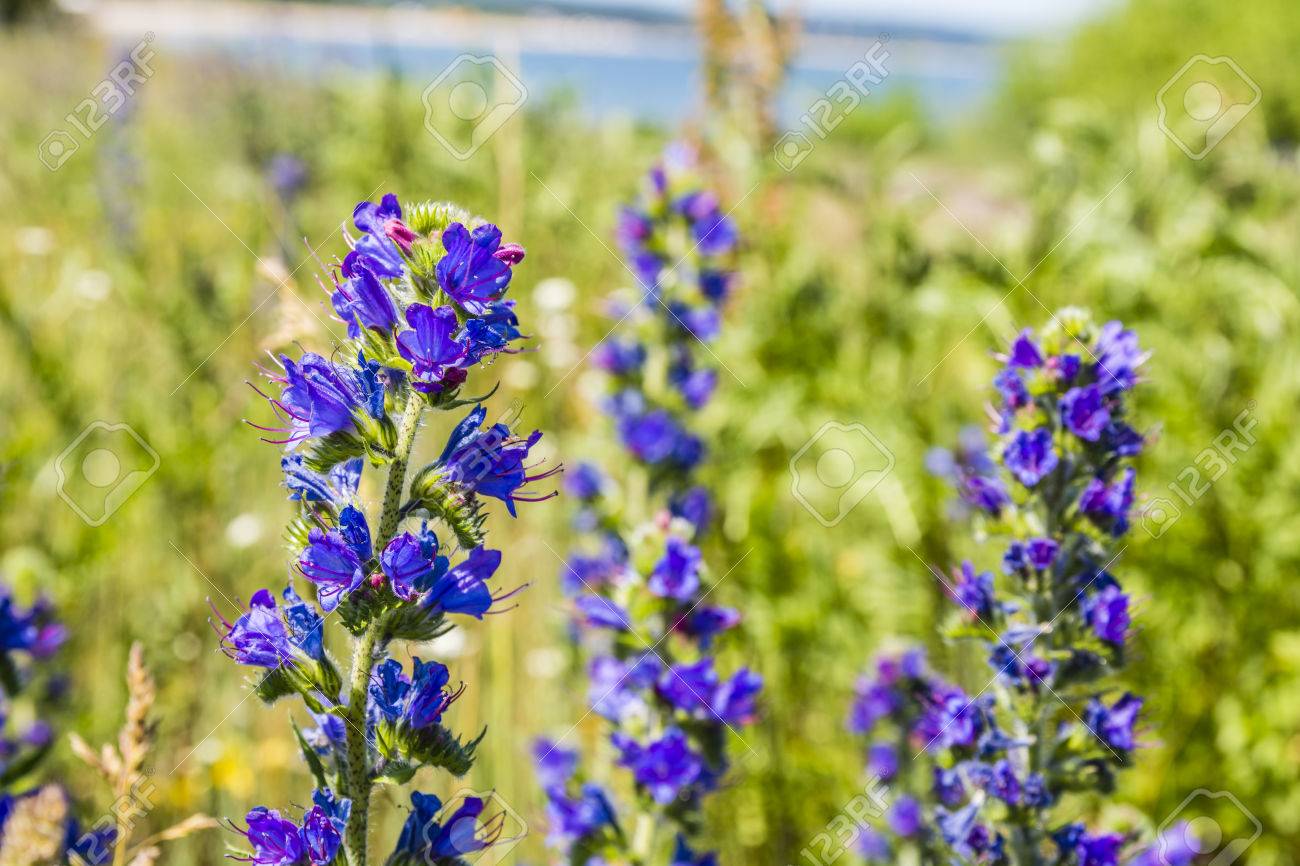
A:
(132, 291)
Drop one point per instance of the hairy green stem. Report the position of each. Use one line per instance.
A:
(359, 782)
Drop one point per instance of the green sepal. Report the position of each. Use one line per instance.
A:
(432, 217)
(414, 623)
(324, 453)
(443, 500)
(397, 362)
(434, 746)
(355, 614)
(275, 684)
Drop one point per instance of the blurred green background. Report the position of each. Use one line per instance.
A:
(141, 282)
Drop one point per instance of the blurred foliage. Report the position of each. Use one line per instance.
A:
(143, 278)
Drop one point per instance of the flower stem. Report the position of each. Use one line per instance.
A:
(359, 782)
(643, 838)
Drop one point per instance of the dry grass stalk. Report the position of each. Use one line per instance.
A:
(123, 768)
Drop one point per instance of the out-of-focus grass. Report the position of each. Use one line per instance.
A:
(131, 291)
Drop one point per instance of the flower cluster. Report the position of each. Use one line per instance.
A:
(28, 637)
(680, 247)
(422, 293)
(639, 595)
(1052, 619)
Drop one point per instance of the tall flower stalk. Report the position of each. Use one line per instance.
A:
(642, 614)
(997, 777)
(421, 292)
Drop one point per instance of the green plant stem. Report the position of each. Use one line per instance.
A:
(643, 838)
(359, 782)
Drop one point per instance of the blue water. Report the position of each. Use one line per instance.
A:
(648, 88)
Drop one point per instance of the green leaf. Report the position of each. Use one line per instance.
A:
(309, 755)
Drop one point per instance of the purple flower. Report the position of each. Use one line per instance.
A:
(705, 622)
(574, 818)
(615, 685)
(949, 719)
(873, 846)
(1108, 504)
(471, 272)
(1107, 613)
(716, 285)
(1113, 725)
(689, 687)
(362, 298)
(676, 575)
(382, 233)
(275, 840)
(418, 701)
(715, 234)
(882, 761)
(1122, 440)
(1012, 388)
(1024, 352)
(30, 630)
(1064, 367)
(430, 347)
(356, 532)
(1036, 793)
(1042, 552)
(618, 357)
(872, 702)
(1118, 356)
(600, 612)
(464, 589)
(702, 323)
(491, 333)
(287, 174)
(428, 697)
(331, 563)
(974, 591)
(735, 700)
(1004, 784)
(411, 566)
(585, 481)
(947, 786)
(652, 437)
(308, 485)
(555, 764)
(633, 229)
(321, 836)
(905, 817)
(694, 505)
(1177, 846)
(663, 767)
(388, 689)
(319, 398)
(1029, 455)
(259, 637)
(695, 386)
(987, 494)
(490, 462)
(1084, 412)
(1100, 850)
(588, 573)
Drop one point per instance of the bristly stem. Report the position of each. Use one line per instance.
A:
(363, 657)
